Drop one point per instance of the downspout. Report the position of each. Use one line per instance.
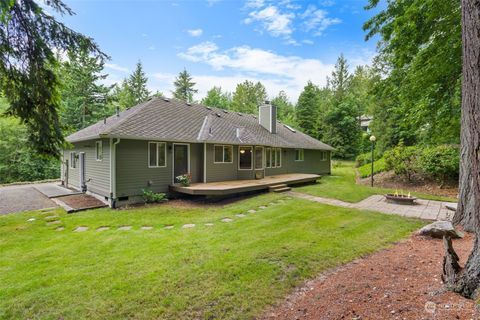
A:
(113, 172)
(204, 162)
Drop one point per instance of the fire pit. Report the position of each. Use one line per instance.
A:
(400, 198)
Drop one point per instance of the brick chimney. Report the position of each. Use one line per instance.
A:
(267, 116)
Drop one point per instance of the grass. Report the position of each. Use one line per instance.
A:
(341, 185)
(227, 271)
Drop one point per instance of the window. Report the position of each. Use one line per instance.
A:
(98, 151)
(323, 155)
(274, 157)
(245, 158)
(258, 157)
(223, 154)
(299, 155)
(73, 160)
(157, 154)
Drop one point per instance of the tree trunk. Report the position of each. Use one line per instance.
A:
(464, 213)
(466, 281)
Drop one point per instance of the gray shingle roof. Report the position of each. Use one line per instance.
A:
(173, 120)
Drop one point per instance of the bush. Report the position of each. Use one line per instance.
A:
(402, 160)
(440, 162)
(378, 166)
(151, 197)
(364, 158)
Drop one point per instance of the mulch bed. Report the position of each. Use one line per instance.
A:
(402, 282)
(81, 201)
(418, 184)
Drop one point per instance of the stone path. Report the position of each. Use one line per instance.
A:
(423, 209)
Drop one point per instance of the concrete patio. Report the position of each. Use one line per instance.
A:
(423, 209)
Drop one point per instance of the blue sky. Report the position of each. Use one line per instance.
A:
(283, 43)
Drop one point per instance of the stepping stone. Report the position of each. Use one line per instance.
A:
(146, 228)
(60, 229)
(125, 228)
(51, 217)
(289, 198)
(251, 211)
(103, 228)
(227, 220)
(262, 207)
(188, 226)
(209, 224)
(240, 215)
(168, 227)
(54, 222)
(81, 229)
(272, 204)
(31, 219)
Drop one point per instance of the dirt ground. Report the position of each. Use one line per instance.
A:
(81, 201)
(418, 184)
(402, 282)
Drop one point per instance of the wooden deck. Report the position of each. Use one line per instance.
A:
(238, 186)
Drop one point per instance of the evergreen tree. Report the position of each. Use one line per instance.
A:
(248, 96)
(137, 85)
(83, 97)
(184, 87)
(285, 109)
(340, 79)
(307, 110)
(216, 98)
(28, 37)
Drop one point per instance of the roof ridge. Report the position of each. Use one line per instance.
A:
(134, 112)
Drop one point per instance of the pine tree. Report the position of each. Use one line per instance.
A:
(184, 87)
(285, 109)
(137, 84)
(307, 110)
(340, 79)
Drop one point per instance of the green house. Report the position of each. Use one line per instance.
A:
(148, 146)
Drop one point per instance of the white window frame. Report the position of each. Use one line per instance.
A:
(263, 157)
(273, 157)
(302, 155)
(251, 161)
(156, 150)
(223, 153)
(99, 147)
(73, 161)
(323, 156)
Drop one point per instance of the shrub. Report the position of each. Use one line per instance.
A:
(440, 162)
(150, 197)
(184, 179)
(402, 160)
(364, 158)
(378, 166)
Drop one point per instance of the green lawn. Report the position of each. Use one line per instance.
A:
(341, 185)
(226, 271)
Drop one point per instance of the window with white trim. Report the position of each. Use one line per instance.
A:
(223, 154)
(299, 155)
(274, 157)
(73, 160)
(157, 154)
(245, 158)
(98, 150)
(323, 155)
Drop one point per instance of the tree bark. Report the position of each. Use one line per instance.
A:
(466, 281)
(464, 213)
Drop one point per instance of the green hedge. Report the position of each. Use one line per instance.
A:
(378, 166)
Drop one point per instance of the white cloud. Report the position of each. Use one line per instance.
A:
(212, 2)
(195, 32)
(307, 41)
(316, 20)
(255, 4)
(116, 67)
(277, 72)
(275, 22)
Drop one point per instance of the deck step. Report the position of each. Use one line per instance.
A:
(277, 186)
(284, 189)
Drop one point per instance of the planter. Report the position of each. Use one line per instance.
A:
(400, 199)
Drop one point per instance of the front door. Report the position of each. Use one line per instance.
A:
(180, 160)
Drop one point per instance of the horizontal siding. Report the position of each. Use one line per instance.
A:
(221, 171)
(312, 162)
(97, 173)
